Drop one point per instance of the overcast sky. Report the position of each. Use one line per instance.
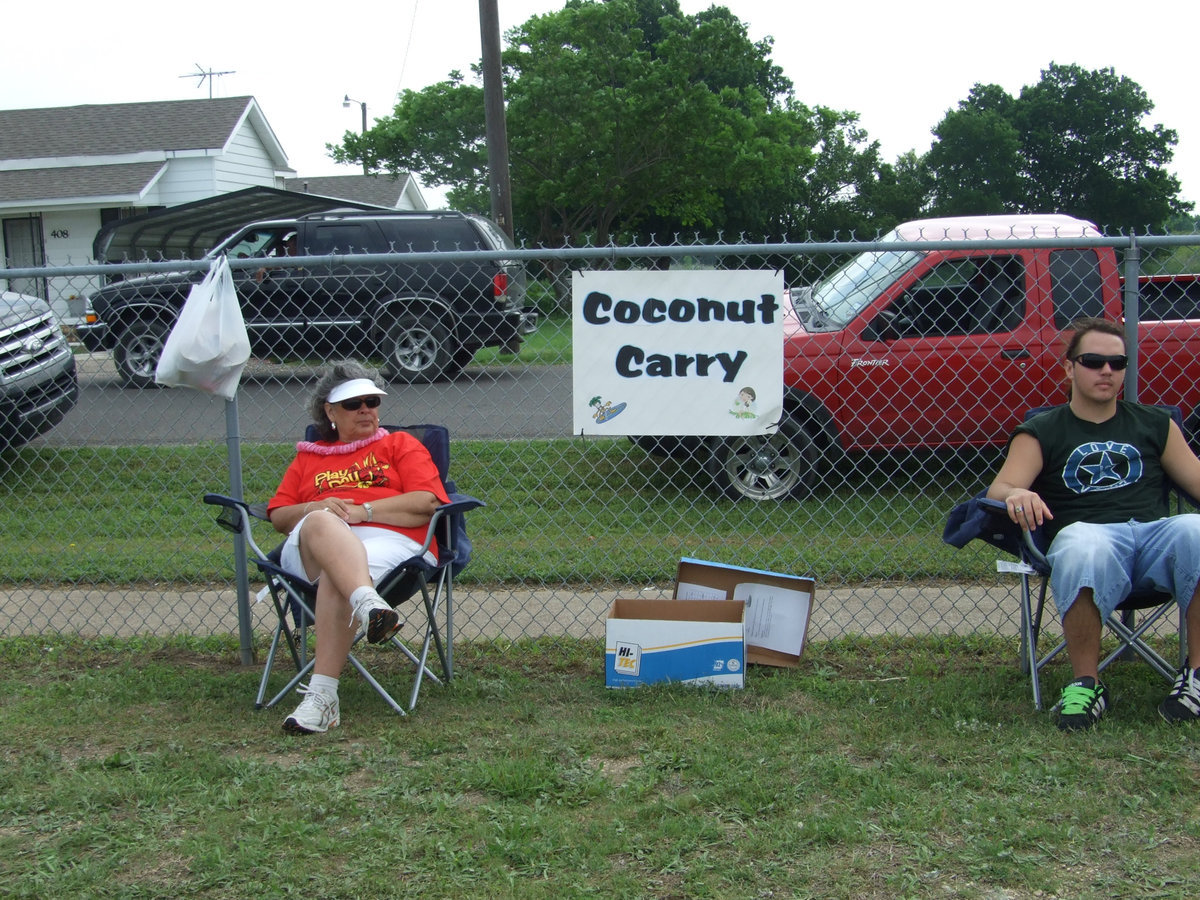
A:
(899, 65)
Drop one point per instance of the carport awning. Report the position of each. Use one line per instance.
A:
(190, 230)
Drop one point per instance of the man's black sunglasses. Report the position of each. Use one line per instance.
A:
(372, 402)
(1097, 361)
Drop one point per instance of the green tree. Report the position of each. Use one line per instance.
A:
(628, 119)
(603, 127)
(1076, 142)
(1091, 155)
(976, 161)
(900, 192)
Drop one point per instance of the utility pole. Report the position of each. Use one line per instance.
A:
(363, 104)
(493, 112)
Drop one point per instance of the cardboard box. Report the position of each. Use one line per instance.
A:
(778, 607)
(700, 642)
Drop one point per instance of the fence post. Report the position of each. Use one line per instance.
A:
(233, 445)
(1133, 315)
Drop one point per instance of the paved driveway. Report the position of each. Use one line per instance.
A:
(484, 402)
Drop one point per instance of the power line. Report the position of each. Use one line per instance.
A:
(412, 27)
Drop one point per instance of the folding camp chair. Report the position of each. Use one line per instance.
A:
(294, 597)
(988, 520)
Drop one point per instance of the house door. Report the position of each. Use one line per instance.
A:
(25, 249)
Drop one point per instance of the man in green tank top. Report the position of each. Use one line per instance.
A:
(1091, 473)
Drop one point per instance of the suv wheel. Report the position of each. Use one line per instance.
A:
(771, 467)
(417, 349)
(137, 351)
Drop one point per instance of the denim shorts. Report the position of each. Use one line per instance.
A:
(1115, 560)
(386, 549)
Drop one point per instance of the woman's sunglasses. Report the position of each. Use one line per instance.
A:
(372, 402)
(1097, 361)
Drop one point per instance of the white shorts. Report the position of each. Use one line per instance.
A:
(386, 549)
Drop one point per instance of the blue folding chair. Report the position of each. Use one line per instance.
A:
(294, 597)
(987, 520)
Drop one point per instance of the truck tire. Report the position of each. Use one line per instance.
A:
(137, 351)
(417, 349)
(771, 467)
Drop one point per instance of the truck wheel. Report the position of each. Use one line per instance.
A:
(137, 351)
(417, 349)
(770, 467)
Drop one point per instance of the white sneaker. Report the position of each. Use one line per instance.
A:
(380, 620)
(1183, 703)
(317, 712)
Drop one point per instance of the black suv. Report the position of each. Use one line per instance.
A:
(37, 370)
(425, 319)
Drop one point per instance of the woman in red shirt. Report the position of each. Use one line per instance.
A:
(354, 504)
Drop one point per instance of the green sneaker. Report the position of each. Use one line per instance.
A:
(1083, 702)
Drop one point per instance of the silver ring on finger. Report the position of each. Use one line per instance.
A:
(1020, 509)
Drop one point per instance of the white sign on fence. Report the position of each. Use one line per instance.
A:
(677, 352)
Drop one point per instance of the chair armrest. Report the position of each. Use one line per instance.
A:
(223, 500)
(459, 503)
(996, 507)
(1031, 551)
(1031, 538)
(256, 510)
(235, 515)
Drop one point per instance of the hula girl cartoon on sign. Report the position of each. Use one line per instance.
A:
(744, 406)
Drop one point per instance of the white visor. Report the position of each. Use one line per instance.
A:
(358, 387)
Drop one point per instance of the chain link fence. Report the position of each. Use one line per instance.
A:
(890, 423)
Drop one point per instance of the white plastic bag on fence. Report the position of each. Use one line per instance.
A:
(208, 347)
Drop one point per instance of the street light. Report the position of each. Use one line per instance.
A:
(346, 101)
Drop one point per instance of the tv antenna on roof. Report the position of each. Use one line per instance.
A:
(202, 73)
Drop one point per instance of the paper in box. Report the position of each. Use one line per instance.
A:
(648, 641)
(778, 606)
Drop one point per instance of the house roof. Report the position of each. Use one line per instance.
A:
(114, 153)
(378, 190)
(124, 183)
(114, 129)
(190, 230)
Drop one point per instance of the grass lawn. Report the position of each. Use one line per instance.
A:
(877, 769)
(620, 516)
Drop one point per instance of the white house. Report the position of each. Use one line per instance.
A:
(65, 171)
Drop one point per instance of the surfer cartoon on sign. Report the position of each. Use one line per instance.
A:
(604, 409)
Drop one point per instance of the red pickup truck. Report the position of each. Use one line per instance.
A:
(913, 348)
